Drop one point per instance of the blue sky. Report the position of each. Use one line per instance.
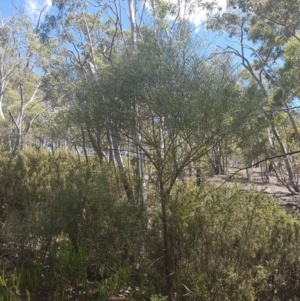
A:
(7, 9)
(31, 7)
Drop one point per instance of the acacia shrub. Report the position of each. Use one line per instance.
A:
(54, 201)
(233, 245)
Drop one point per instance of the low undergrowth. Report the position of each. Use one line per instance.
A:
(66, 234)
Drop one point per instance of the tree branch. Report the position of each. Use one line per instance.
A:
(13, 119)
(264, 160)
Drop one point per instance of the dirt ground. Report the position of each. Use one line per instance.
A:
(273, 188)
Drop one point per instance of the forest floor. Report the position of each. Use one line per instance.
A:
(273, 188)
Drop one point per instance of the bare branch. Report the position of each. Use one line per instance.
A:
(33, 96)
(13, 119)
(39, 19)
(264, 160)
(15, 6)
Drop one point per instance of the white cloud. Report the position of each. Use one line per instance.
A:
(199, 15)
(34, 7)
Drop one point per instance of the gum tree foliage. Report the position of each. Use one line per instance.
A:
(23, 60)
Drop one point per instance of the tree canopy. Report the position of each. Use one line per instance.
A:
(114, 118)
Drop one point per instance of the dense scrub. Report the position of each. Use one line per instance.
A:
(67, 233)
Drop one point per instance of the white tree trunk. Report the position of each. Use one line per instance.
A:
(287, 160)
(139, 151)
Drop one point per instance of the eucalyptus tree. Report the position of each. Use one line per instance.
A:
(262, 29)
(21, 56)
(86, 44)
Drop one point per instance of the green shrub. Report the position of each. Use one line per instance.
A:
(66, 232)
(55, 205)
(232, 245)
